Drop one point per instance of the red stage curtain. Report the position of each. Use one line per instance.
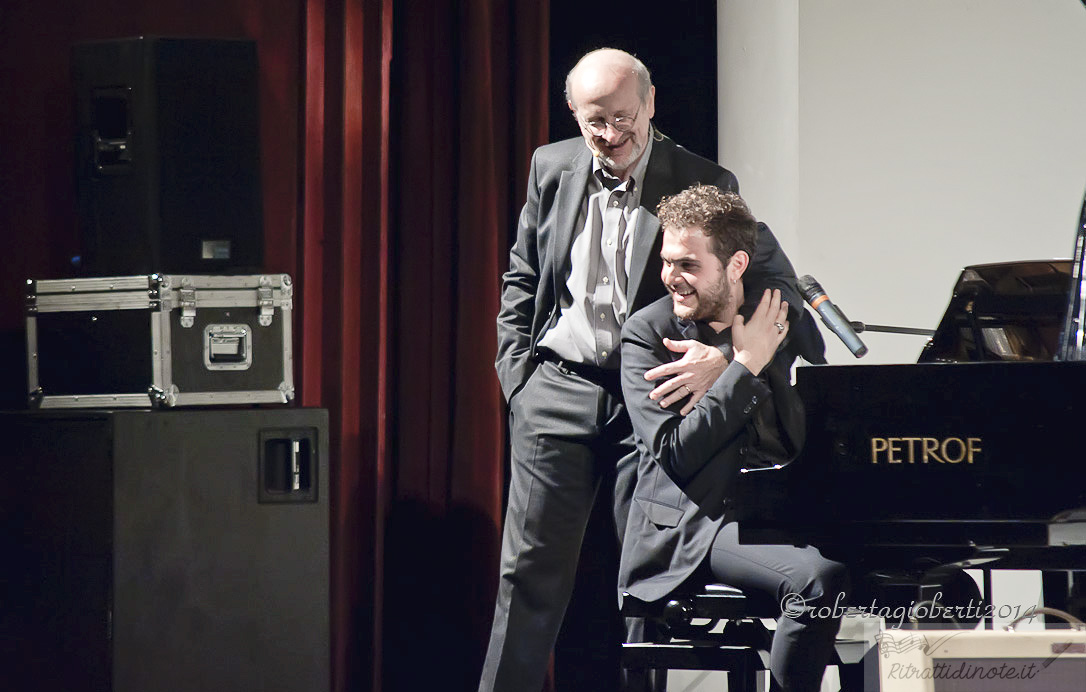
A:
(344, 311)
(395, 144)
(419, 122)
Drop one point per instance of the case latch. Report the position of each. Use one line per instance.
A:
(187, 299)
(266, 300)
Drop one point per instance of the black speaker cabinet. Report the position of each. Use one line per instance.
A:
(165, 550)
(168, 156)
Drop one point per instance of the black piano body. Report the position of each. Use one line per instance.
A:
(944, 463)
(932, 455)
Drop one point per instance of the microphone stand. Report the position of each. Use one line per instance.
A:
(1071, 336)
(860, 327)
(1072, 344)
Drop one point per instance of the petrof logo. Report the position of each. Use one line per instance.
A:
(925, 450)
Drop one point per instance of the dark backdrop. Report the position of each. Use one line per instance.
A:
(676, 41)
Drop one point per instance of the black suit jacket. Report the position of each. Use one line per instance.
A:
(688, 464)
(539, 261)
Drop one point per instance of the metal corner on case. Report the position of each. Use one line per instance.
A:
(287, 391)
(162, 397)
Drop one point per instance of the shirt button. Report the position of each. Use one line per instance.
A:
(603, 316)
(603, 353)
(606, 280)
(615, 203)
(610, 242)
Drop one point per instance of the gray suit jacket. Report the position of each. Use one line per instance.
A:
(688, 464)
(539, 261)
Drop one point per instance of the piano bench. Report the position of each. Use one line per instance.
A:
(741, 648)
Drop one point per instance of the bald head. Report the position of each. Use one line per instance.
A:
(613, 101)
(604, 66)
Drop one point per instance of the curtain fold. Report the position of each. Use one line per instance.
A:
(462, 145)
(419, 122)
(344, 311)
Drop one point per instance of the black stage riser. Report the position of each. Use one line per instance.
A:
(165, 550)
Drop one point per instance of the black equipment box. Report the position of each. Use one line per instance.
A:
(167, 156)
(159, 340)
(166, 550)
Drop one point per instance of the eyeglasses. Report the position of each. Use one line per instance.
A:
(621, 123)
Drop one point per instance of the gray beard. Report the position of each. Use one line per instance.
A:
(609, 163)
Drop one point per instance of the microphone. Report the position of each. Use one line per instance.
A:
(831, 315)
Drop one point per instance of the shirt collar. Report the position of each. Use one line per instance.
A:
(701, 331)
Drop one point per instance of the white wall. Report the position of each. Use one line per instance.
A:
(758, 107)
(891, 143)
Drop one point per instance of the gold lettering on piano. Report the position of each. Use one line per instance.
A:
(925, 450)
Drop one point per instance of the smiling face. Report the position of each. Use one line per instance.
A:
(602, 87)
(701, 287)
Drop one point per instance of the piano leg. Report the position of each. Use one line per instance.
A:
(987, 576)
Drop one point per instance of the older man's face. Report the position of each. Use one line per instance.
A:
(602, 92)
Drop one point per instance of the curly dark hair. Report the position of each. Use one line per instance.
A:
(723, 216)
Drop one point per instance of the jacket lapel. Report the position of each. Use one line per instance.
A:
(644, 238)
(658, 170)
(567, 208)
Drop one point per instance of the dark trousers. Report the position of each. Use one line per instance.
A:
(570, 435)
(809, 589)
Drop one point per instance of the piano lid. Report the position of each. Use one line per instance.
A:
(1010, 311)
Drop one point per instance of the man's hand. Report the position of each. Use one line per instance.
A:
(756, 341)
(693, 374)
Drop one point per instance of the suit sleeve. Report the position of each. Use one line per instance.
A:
(519, 286)
(770, 267)
(683, 445)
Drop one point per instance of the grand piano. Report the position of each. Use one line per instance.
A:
(973, 457)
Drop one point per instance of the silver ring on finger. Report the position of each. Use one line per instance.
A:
(779, 326)
(688, 390)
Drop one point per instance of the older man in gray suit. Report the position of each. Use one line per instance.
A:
(585, 258)
(678, 527)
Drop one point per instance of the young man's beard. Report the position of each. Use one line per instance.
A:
(712, 305)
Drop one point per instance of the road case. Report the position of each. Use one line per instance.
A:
(159, 340)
